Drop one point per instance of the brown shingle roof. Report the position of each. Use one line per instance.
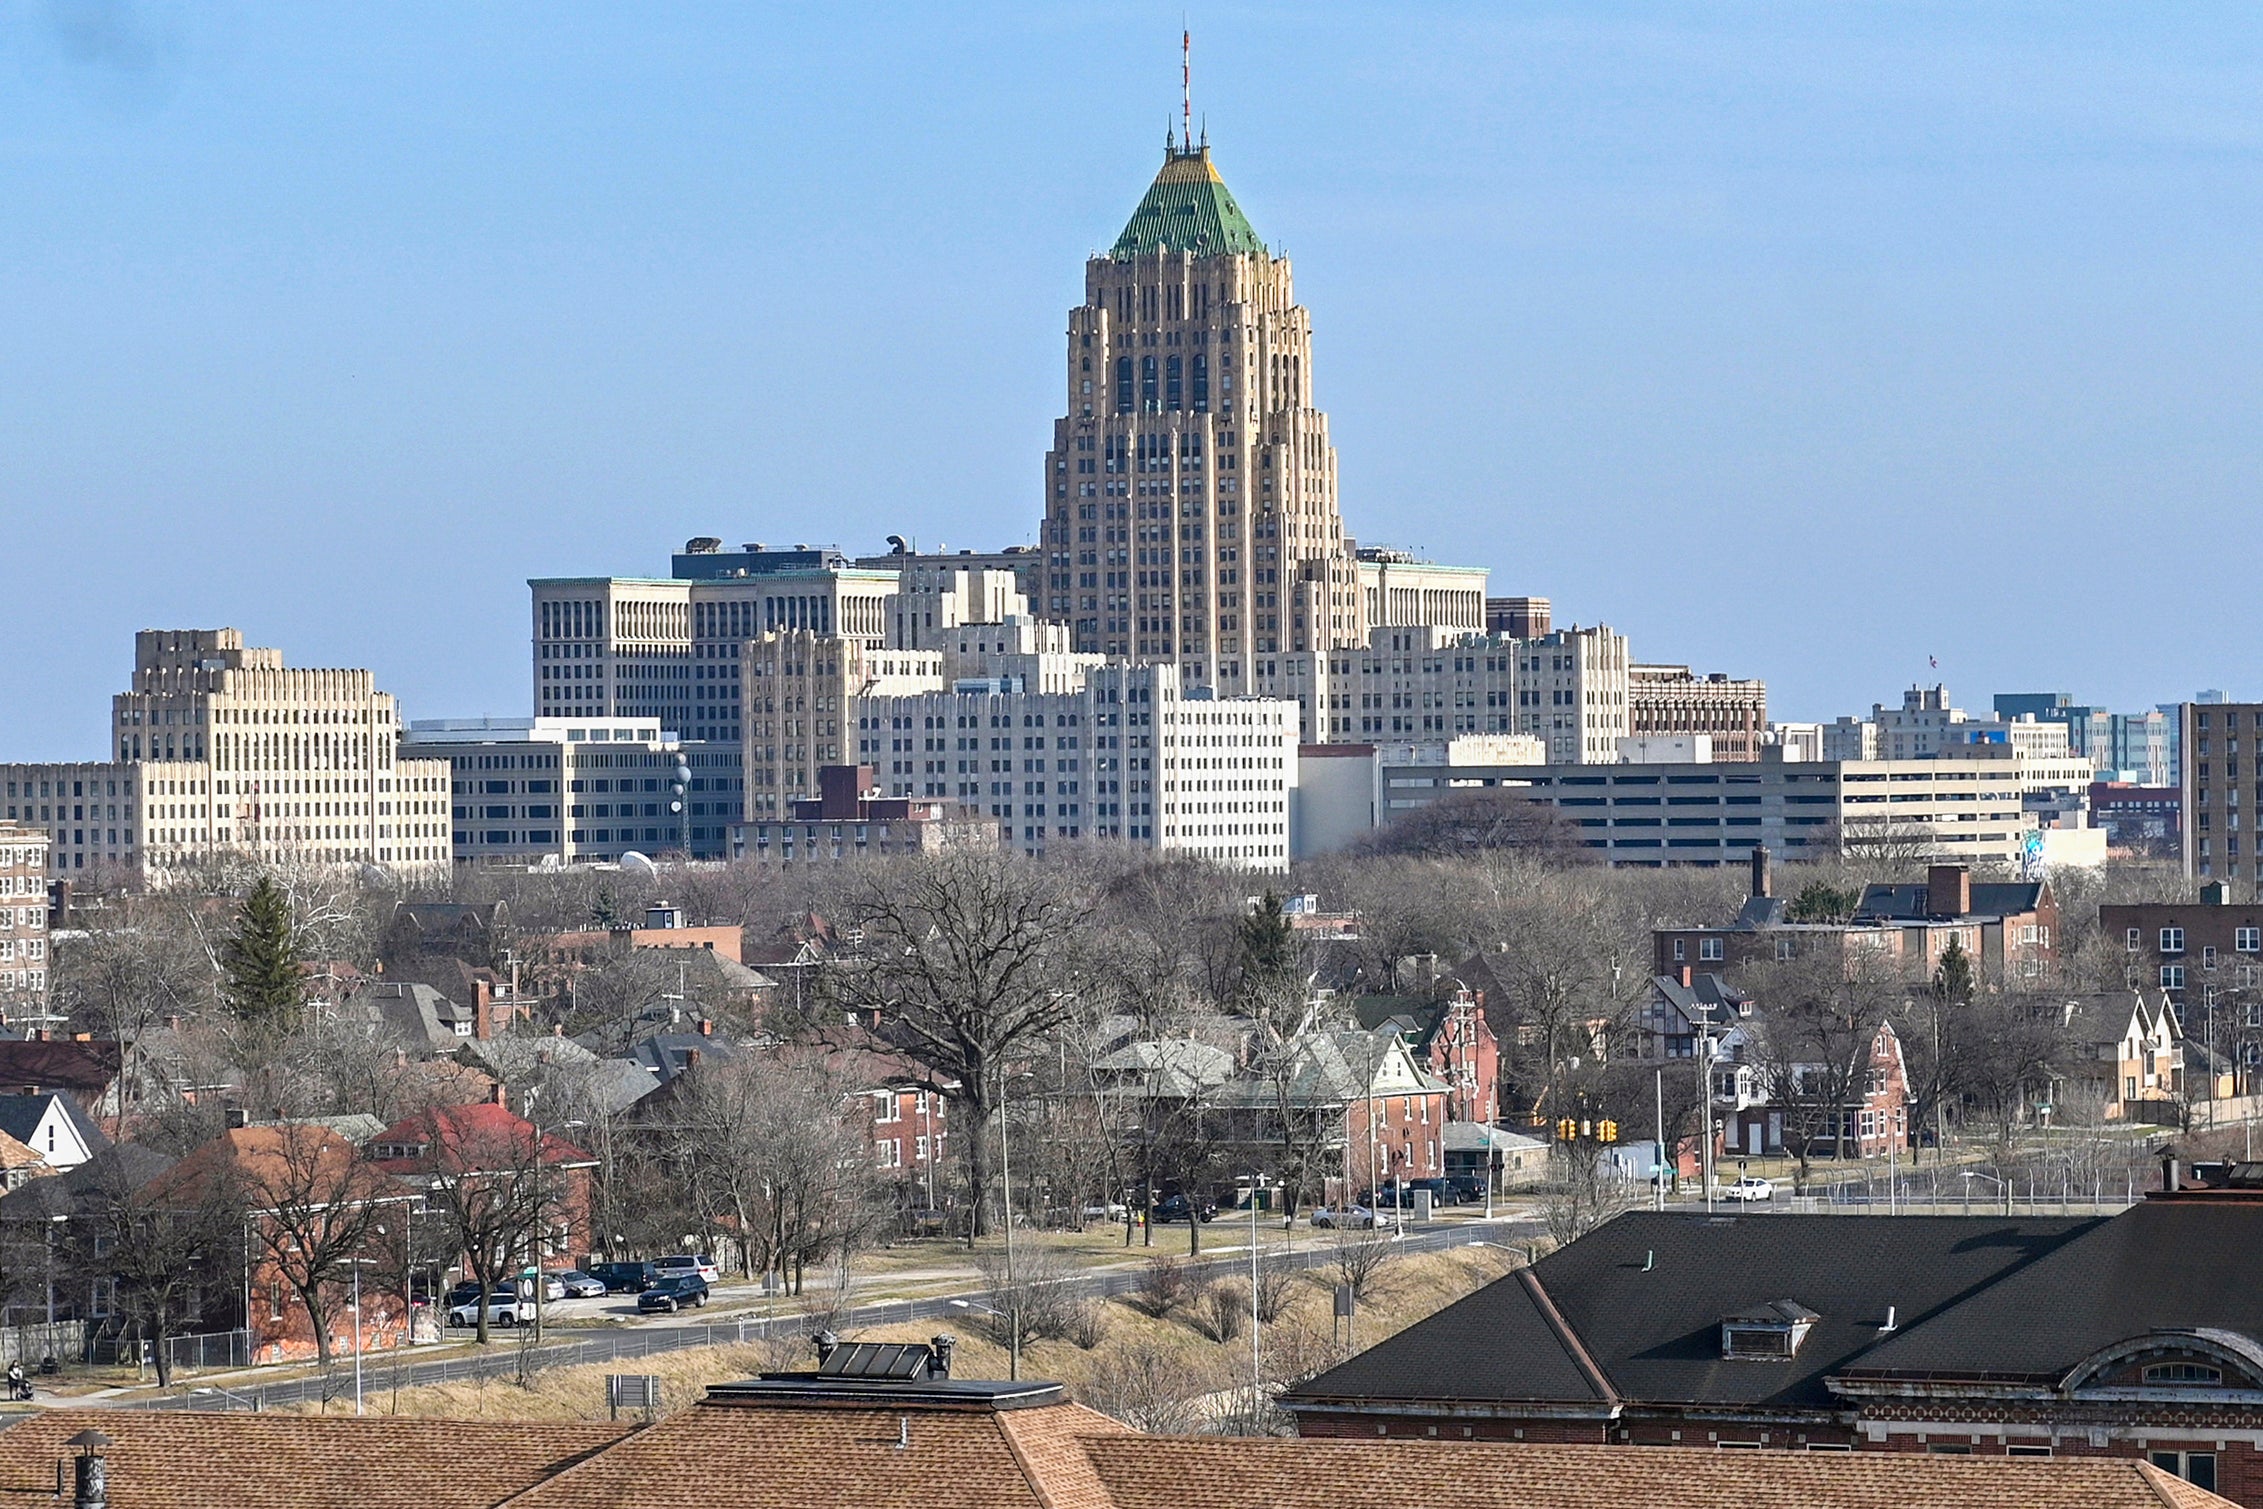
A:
(1179, 1472)
(186, 1460)
(753, 1457)
(740, 1455)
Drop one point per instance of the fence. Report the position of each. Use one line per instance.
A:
(27, 1344)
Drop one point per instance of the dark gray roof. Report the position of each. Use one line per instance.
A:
(1644, 1296)
(2164, 1265)
(126, 1165)
(664, 1055)
(1706, 998)
(1908, 903)
(20, 1116)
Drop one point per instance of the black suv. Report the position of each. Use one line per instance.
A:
(678, 1292)
(1180, 1208)
(623, 1278)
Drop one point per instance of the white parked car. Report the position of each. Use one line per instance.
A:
(502, 1310)
(1350, 1218)
(1749, 1188)
(684, 1262)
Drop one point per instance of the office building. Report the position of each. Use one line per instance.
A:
(1191, 489)
(1398, 589)
(2223, 792)
(222, 749)
(533, 791)
(667, 650)
(1104, 751)
(1674, 701)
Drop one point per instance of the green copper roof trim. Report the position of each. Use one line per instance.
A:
(1187, 208)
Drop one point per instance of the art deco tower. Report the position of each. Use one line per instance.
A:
(1191, 510)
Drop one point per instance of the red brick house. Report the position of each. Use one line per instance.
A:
(487, 1141)
(1449, 1037)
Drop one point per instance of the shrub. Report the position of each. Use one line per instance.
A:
(1162, 1286)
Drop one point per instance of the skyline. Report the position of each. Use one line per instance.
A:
(518, 310)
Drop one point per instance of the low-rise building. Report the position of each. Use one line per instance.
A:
(24, 962)
(851, 820)
(2193, 952)
(1967, 805)
(1934, 1336)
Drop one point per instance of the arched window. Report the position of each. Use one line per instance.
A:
(1123, 385)
(1174, 385)
(1201, 384)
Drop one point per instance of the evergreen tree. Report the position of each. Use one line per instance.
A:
(1952, 978)
(262, 982)
(605, 911)
(1266, 942)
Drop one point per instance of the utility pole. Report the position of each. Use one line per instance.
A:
(1658, 1167)
(1705, 1105)
(1006, 1175)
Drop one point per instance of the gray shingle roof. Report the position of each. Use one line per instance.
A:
(1644, 1295)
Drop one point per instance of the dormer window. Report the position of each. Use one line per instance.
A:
(1767, 1333)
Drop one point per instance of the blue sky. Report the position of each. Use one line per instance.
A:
(1795, 341)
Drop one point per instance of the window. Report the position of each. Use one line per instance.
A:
(2172, 940)
(2247, 940)
(2172, 977)
(2019, 1449)
(1948, 1449)
(2183, 1372)
(2196, 1467)
(1709, 950)
(1681, 950)
(2136, 939)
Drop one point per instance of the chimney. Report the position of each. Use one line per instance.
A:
(92, 1486)
(495, 1095)
(2169, 1181)
(706, 1026)
(1686, 977)
(1760, 875)
(1948, 891)
(482, 1010)
(824, 1342)
(942, 1344)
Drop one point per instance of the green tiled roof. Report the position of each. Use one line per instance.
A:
(1188, 208)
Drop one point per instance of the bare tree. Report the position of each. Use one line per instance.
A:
(311, 1206)
(968, 959)
(1819, 1014)
(167, 1246)
(495, 1184)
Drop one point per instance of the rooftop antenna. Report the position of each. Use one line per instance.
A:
(1186, 89)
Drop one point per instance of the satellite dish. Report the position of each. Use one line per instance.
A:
(376, 877)
(637, 864)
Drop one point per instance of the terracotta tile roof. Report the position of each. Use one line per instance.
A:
(186, 1460)
(1180, 1472)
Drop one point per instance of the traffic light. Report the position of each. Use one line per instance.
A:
(1567, 1130)
(1606, 1131)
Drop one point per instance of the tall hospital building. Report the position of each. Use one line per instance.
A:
(222, 749)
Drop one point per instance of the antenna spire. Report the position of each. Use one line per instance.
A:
(1186, 89)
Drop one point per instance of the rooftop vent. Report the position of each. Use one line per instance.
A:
(1770, 1332)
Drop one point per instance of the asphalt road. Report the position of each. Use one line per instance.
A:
(380, 1375)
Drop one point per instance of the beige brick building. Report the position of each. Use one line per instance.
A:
(223, 749)
(1673, 700)
(1191, 502)
(23, 922)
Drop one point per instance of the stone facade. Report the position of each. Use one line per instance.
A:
(1673, 700)
(222, 749)
(1191, 489)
